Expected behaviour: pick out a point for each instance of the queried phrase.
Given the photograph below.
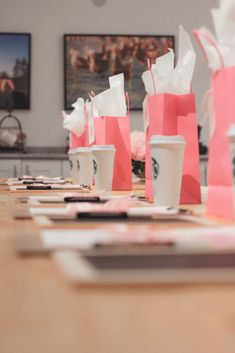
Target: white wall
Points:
(49, 20)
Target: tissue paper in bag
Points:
(173, 112)
(164, 78)
(110, 102)
(116, 81)
(223, 46)
(77, 124)
(224, 21)
(75, 121)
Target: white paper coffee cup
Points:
(103, 161)
(73, 166)
(84, 166)
(167, 154)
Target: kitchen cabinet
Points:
(15, 167)
(10, 168)
(66, 173)
(51, 168)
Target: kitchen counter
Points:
(46, 153)
(36, 153)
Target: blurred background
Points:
(48, 21)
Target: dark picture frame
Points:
(15, 70)
(90, 59)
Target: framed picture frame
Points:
(90, 59)
(15, 69)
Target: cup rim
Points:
(83, 149)
(103, 147)
(165, 140)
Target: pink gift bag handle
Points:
(151, 73)
(200, 34)
(208, 111)
(148, 64)
(91, 94)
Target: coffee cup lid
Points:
(103, 147)
(160, 139)
(71, 151)
(83, 149)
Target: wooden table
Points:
(40, 312)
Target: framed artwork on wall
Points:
(90, 59)
(15, 52)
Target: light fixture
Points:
(99, 2)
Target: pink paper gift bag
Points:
(170, 114)
(220, 173)
(111, 130)
(220, 177)
(81, 141)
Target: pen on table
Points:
(95, 199)
(29, 178)
(44, 182)
(54, 187)
(122, 244)
(49, 187)
(131, 214)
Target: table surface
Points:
(40, 312)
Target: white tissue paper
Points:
(215, 13)
(111, 102)
(156, 80)
(210, 48)
(224, 22)
(183, 73)
(165, 63)
(116, 81)
(75, 122)
(164, 78)
(223, 53)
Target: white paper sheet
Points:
(75, 239)
(46, 198)
(48, 211)
(216, 238)
(204, 237)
